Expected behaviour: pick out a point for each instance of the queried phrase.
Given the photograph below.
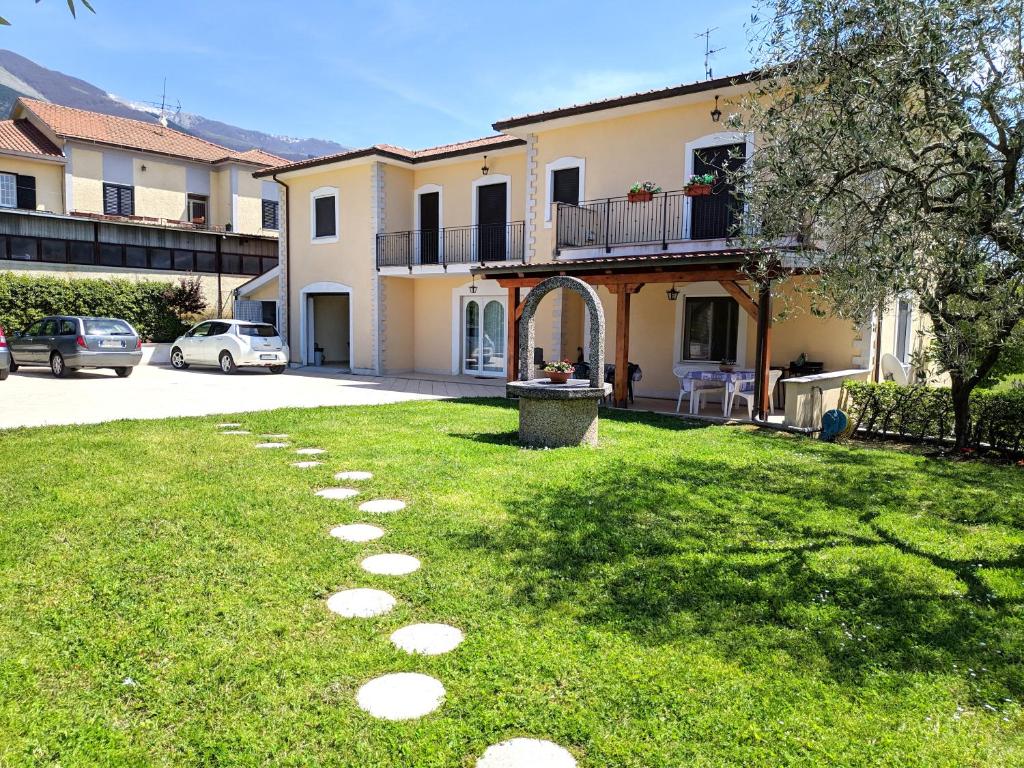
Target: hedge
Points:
(159, 311)
(926, 413)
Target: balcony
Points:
(449, 246)
(669, 217)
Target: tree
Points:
(71, 7)
(889, 139)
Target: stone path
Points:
(382, 506)
(526, 753)
(401, 696)
(360, 603)
(357, 533)
(390, 565)
(306, 464)
(310, 451)
(338, 494)
(427, 639)
(271, 445)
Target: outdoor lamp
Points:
(472, 287)
(485, 170)
(716, 113)
(672, 293)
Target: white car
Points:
(230, 345)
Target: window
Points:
(218, 329)
(50, 327)
(270, 214)
(268, 311)
(197, 205)
(8, 190)
(35, 328)
(111, 255)
(54, 250)
(68, 327)
(566, 180)
(107, 326)
(903, 328)
(200, 331)
(135, 256)
(23, 248)
(118, 200)
(324, 213)
(262, 331)
(81, 253)
(710, 329)
(565, 184)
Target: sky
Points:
(415, 74)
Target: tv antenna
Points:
(708, 50)
(165, 113)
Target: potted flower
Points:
(198, 220)
(643, 191)
(560, 371)
(699, 185)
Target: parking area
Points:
(33, 397)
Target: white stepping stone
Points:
(236, 432)
(390, 564)
(357, 532)
(360, 603)
(337, 494)
(310, 451)
(354, 476)
(228, 425)
(382, 506)
(271, 445)
(306, 464)
(526, 753)
(427, 639)
(401, 696)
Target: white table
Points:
(731, 379)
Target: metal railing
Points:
(668, 217)
(451, 245)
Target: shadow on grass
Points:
(785, 550)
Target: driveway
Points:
(32, 397)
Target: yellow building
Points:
(396, 260)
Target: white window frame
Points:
(485, 290)
(13, 203)
(315, 195)
(908, 334)
(561, 164)
(193, 197)
(722, 138)
(706, 291)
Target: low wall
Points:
(156, 354)
(808, 397)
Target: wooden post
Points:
(512, 355)
(764, 349)
(620, 394)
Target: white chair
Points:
(746, 391)
(894, 370)
(694, 389)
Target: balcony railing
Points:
(669, 217)
(451, 245)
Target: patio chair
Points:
(694, 388)
(894, 370)
(746, 391)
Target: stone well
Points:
(559, 415)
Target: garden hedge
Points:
(926, 413)
(159, 311)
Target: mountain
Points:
(23, 77)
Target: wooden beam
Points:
(742, 297)
(515, 311)
(764, 350)
(620, 394)
(632, 278)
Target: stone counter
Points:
(808, 397)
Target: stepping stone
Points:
(360, 603)
(354, 476)
(271, 445)
(427, 639)
(357, 532)
(228, 425)
(526, 753)
(337, 494)
(401, 696)
(390, 564)
(236, 432)
(306, 464)
(382, 506)
(310, 451)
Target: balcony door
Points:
(430, 227)
(484, 336)
(492, 217)
(716, 215)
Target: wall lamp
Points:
(473, 285)
(672, 293)
(716, 113)
(485, 170)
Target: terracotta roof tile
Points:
(257, 156)
(23, 137)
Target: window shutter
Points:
(324, 212)
(26, 192)
(566, 186)
(126, 203)
(110, 198)
(270, 214)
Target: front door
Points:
(430, 227)
(716, 215)
(484, 336)
(491, 208)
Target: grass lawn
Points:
(681, 596)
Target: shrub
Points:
(926, 413)
(158, 311)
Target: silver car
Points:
(5, 356)
(66, 344)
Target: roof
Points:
(127, 133)
(24, 138)
(607, 264)
(412, 156)
(625, 101)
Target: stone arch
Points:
(527, 335)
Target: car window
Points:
(68, 327)
(203, 329)
(50, 327)
(106, 326)
(219, 329)
(260, 329)
(35, 329)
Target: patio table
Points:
(729, 378)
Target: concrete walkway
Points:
(33, 397)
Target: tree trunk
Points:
(961, 392)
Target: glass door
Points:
(484, 337)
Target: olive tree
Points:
(889, 153)
(71, 7)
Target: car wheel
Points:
(178, 359)
(277, 368)
(57, 366)
(124, 372)
(227, 362)
(3, 373)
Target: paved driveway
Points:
(33, 397)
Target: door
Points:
(484, 337)
(23, 347)
(491, 208)
(216, 340)
(716, 215)
(193, 344)
(430, 227)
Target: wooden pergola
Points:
(624, 276)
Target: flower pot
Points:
(558, 377)
(697, 190)
(199, 220)
(640, 197)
